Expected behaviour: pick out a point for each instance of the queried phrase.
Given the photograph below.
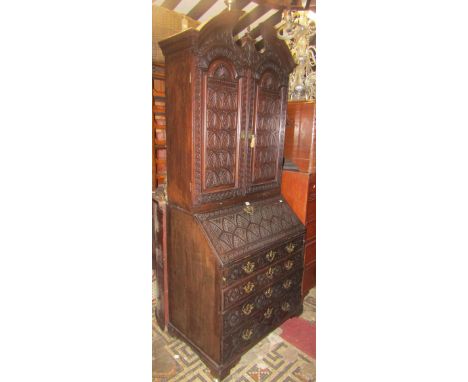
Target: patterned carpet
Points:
(272, 359)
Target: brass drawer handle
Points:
(270, 256)
(288, 264)
(247, 309)
(270, 273)
(287, 284)
(249, 267)
(290, 247)
(268, 292)
(246, 334)
(285, 306)
(249, 287)
(268, 313)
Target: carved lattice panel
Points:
(221, 135)
(265, 154)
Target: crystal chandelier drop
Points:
(298, 30)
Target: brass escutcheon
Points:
(249, 267)
(249, 210)
(270, 256)
(287, 284)
(246, 334)
(285, 306)
(290, 247)
(270, 273)
(269, 292)
(247, 309)
(288, 264)
(249, 287)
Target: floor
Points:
(273, 359)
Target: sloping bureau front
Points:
(236, 275)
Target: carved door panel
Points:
(221, 151)
(267, 134)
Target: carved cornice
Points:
(215, 40)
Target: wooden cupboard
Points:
(235, 247)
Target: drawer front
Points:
(247, 311)
(260, 260)
(252, 285)
(266, 320)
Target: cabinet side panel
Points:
(193, 295)
(179, 130)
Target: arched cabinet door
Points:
(266, 135)
(221, 124)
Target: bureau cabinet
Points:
(235, 248)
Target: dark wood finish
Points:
(171, 4)
(250, 18)
(199, 10)
(235, 247)
(274, 19)
(239, 4)
(230, 85)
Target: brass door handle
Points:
(290, 247)
(270, 256)
(247, 309)
(288, 264)
(252, 141)
(249, 287)
(249, 267)
(268, 313)
(246, 334)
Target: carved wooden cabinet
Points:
(235, 247)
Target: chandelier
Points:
(298, 30)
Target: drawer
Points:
(266, 320)
(251, 285)
(238, 315)
(260, 260)
(309, 253)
